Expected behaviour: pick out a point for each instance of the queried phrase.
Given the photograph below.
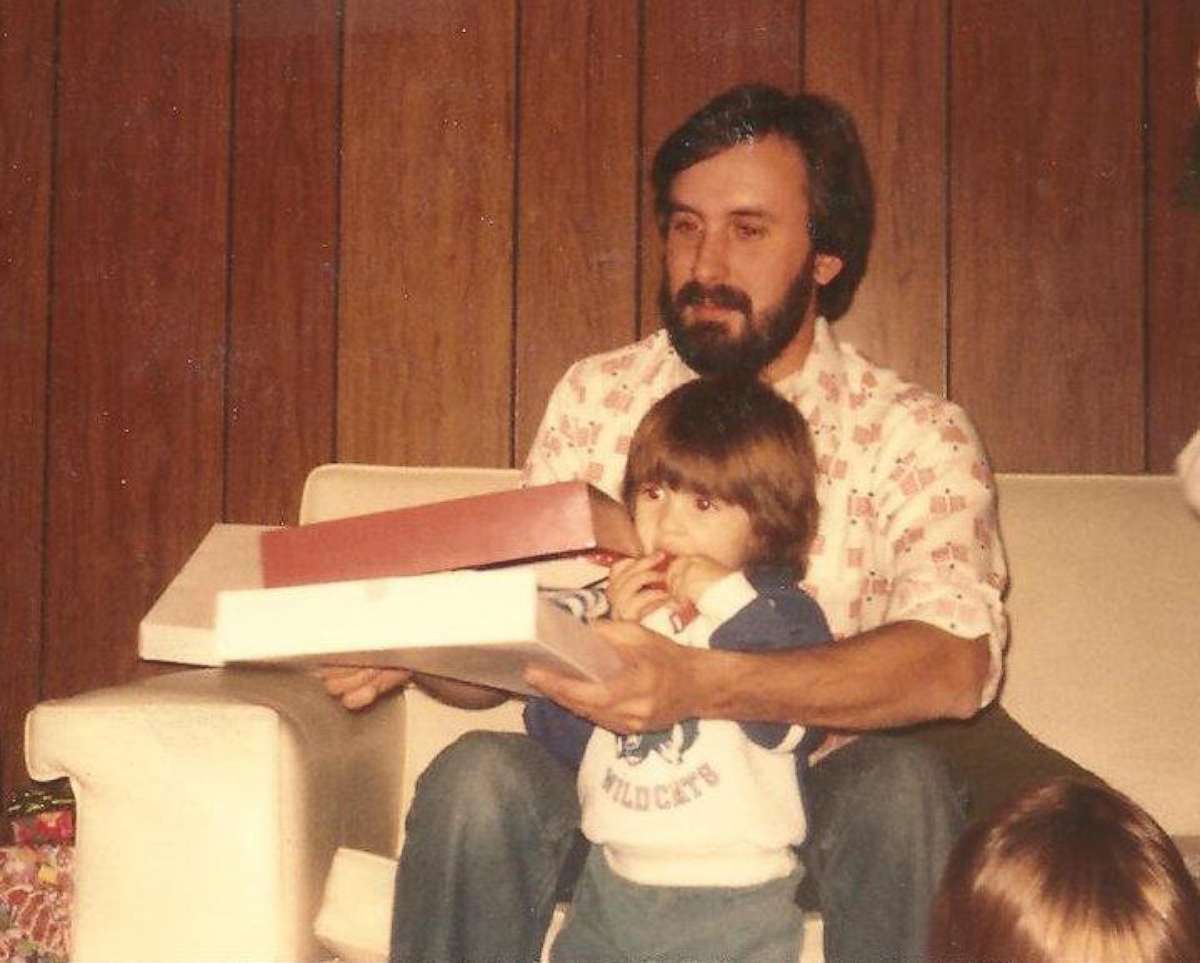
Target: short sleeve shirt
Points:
(907, 527)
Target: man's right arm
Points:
(850, 685)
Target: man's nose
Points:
(711, 265)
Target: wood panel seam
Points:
(51, 296)
(230, 230)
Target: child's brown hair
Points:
(1068, 870)
(734, 439)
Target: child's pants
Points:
(612, 919)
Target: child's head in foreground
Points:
(736, 461)
(1069, 870)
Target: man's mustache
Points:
(716, 295)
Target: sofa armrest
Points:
(355, 917)
(209, 806)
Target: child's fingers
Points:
(689, 576)
(633, 606)
(635, 572)
(634, 587)
(619, 569)
(629, 598)
(646, 603)
(640, 563)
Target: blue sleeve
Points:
(565, 734)
(782, 616)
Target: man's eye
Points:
(685, 226)
(750, 232)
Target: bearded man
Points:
(765, 205)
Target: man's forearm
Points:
(891, 676)
(895, 675)
(463, 695)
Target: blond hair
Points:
(1068, 870)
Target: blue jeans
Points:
(494, 820)
(883, 814)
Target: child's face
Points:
(681, 522)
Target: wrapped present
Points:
(55, 826)
(36, 885)
(42, 814)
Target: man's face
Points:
(739, 268)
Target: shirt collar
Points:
(803, 387)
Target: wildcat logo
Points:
(671, 744)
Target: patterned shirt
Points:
(907, 528)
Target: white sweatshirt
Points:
(701, 805)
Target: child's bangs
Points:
(678, 468)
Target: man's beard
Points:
(709, 349)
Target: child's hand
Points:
(636, 587)
(690, 576)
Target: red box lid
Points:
(509, 526)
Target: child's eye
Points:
(652, 492)
(704, 504)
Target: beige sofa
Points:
(212, 803)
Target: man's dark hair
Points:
(841, 199)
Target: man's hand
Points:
(357, 688)
(651, 692)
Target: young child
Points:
(1068, 870)
(693, 829)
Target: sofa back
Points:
(1104, 604)
(1103, 661)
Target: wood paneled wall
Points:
(242, 238)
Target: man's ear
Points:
(826, 267)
